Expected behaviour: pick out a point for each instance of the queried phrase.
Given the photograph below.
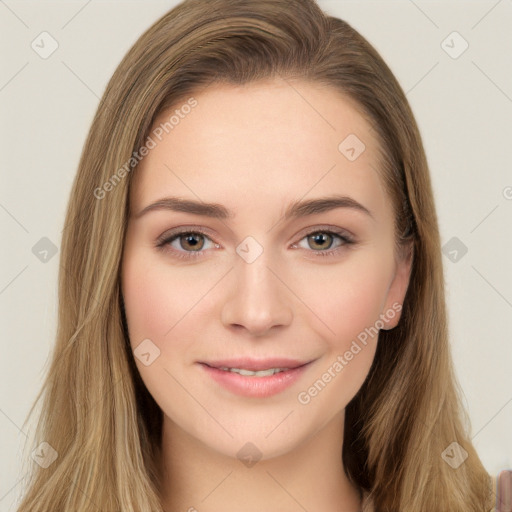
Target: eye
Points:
(185, 243)
(322, 241)
(189, 243)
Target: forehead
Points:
(273, 140)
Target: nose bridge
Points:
(257, 299)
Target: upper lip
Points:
(247, 363)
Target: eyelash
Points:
(163, 242)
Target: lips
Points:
(254, 365)
(245, 382)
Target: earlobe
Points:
(398, 289)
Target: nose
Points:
(257, 299)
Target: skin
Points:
(255, 149)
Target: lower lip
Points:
(258, 387)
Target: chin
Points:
(261, 440)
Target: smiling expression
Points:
(267, 240)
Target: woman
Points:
(251, 309)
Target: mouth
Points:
(255, 378)
(255, 365)
(250, 373)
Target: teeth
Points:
(249, 373)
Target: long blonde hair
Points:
(97, 414)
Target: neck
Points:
(195, 477)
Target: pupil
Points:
(319, 238)
(192, 240)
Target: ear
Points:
(396, 294)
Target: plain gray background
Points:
(462, 101)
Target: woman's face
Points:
(259, 281)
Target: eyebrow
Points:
(217, 211)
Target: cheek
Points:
(156, 303)
(348, 299)
(156, 298)
(349, 302)
(147, 301)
